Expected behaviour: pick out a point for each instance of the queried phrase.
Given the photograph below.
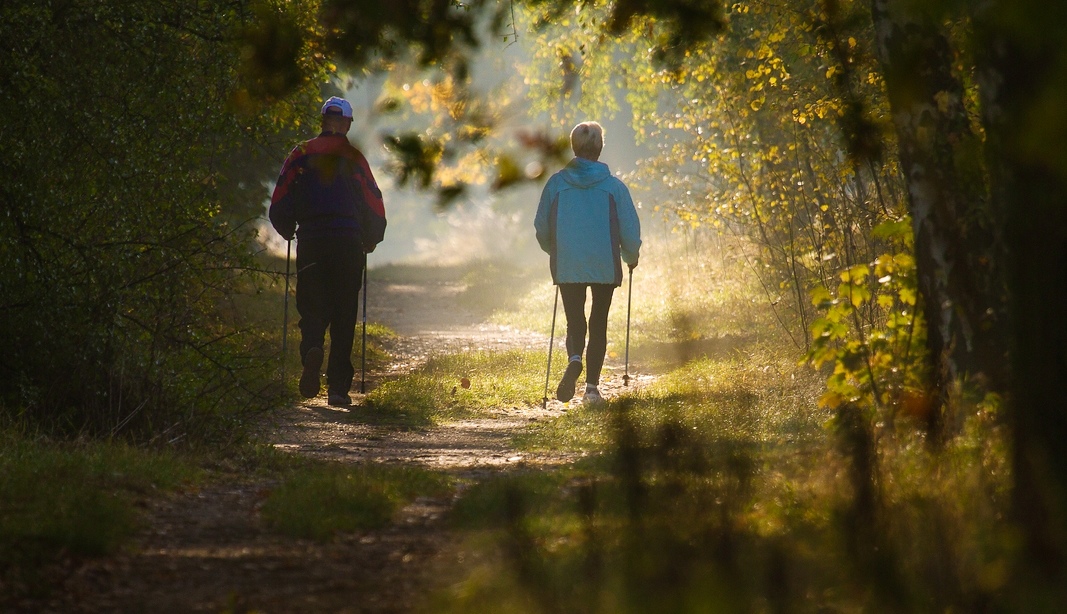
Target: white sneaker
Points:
(592, 395)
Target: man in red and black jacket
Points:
(326, 196)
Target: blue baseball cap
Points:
(337, 106)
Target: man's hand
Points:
(632, 265)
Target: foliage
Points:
(129, 179)
(871, 333)
(459, 136)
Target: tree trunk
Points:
(954, 234)
(1023, 77)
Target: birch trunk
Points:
(940, 158)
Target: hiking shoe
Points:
(565, 390)
(336, 399)
(592, 395)
(309, 379)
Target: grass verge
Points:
(464, 385)
(320, 499)
(73, 499)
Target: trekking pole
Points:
(285, 318)
(551, 342)
(629, 294)
(363, 351)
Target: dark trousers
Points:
(574, 308)
(329, 276)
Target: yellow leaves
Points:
(830, 72)
(884, 266)
(893, 229)
(759, 71)
(757, 104)
(904, 261)
(820, 296)
(856, 273)
(820, 109)
(831, 400)
(907, 296)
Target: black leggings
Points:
(574, 308)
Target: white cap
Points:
(337, 105)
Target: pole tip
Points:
(544, 402)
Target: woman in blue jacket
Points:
(587, 223)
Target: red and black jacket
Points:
(326, 189)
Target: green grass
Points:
(320, 500)
(435, 393)
(77, 499)
(761, 394)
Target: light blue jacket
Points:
(586, 222)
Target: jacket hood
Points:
(584, 173)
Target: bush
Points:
(122, 231)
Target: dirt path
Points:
(208, 551)
(429, 320)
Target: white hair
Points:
(587, 140)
